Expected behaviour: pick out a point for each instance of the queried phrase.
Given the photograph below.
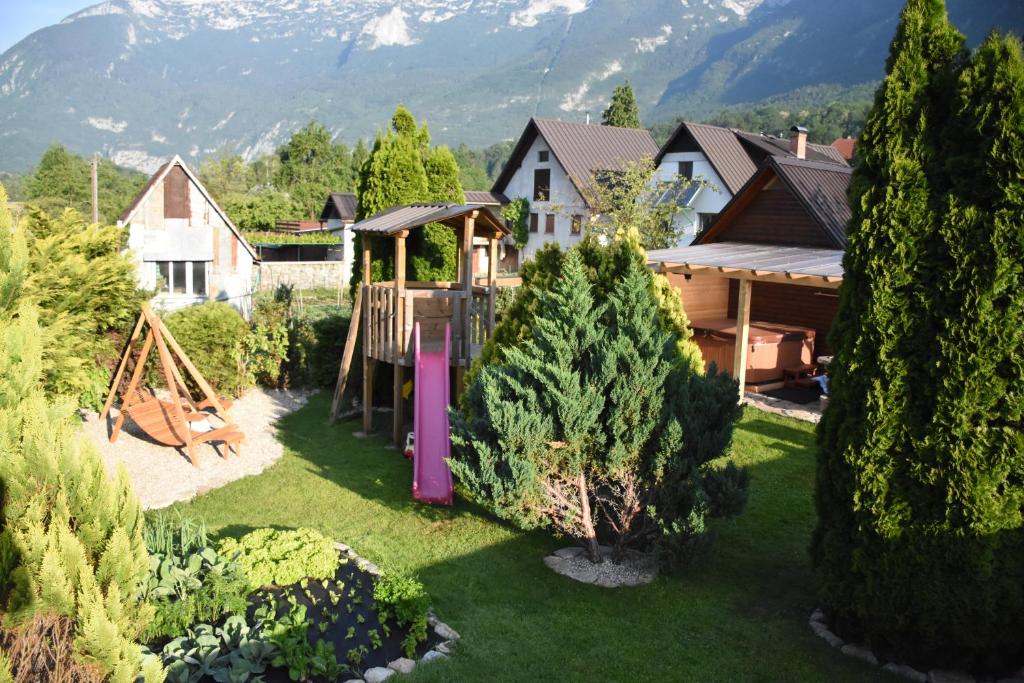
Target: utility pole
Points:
(95, 191)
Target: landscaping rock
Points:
(565, 553)
(377, 674)
(821, 630)
(445, 648)
(402, 665)
(908, 672)
(944, 676)
(555, 563)
(445, 631)
(355, 680)
(818, 615)
(584, 572)
(859, 652)
(433, 655)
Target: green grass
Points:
(739, 614)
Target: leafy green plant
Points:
(517, 213)
(403, 599)
(233, 653)
(279, 558)
(265, 347)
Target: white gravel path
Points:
(162, 475)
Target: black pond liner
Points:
(349, 576)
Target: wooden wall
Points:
(705, 297)
(812, 307)
(775, 216)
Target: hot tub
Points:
(773, 347)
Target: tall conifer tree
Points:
(622, 111)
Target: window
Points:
(706, 219)
(182, 277)
(541, 184)
(549, 224)
(577, 224)
(686, 169)
(533, 222)
(542, 156)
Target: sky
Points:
(18, 18)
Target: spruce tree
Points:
(918, 543)
(622, 110)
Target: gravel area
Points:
(807, 412)
(634, 570)
(162, 475)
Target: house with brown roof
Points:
(760, 284)
(552, 166)
(184, 244)
(726, 158)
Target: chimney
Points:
(798, 142)
(588, 118)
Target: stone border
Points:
(637, 570)
(402, 665)
(805, 412)
(820, 627)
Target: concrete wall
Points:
(303, 274)
(710, 200)
(564, 202)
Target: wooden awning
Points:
(400, 218)
(757, 262)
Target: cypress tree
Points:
(919, 492)
(434, 248)
(622, 110)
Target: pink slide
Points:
(432, 480)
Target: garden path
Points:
(161, 475)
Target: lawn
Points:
(740, 613)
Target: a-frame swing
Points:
(168, 422)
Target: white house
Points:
(552, 166)
(185, 245)
(725, 158)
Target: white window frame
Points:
(189, 290)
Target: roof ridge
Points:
(808, 163)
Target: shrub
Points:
(586, 427)
(212, 335)
(265, 347)
(269, 557)
(403, 599)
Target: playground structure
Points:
(169, 422)
(459, 315)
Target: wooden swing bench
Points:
(169, 422)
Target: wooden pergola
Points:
(388, 310)
(749, 263)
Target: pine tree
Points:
(622, 110)
(918, 543)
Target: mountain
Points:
(140, 80)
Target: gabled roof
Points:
(580, 149)
(734, 163)
(398, 218)
(846, 146)
(485, 198)
(341, 203)
(158, 177)
(821, 188)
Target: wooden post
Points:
(95, 190)
(739, 360)
(492, 279)
(466, 249)
(129, 394)
(346, 358)
(167, 362)
(122, 365)
(398, 325)
(368, 363)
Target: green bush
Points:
(593, 427)
(265, 347)
(404, 599)
(269, 557)
(212, 335)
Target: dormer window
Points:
(542, 156)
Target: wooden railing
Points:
(389, 317)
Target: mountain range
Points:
(140, 80)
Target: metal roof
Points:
(485, 198)
(779, 147)
(581, 149)
(822, 188)
(400, 218)
(755, 259)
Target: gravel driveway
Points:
(162, 475)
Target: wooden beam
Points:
(398, 339)
(122, 365)
(346, 358)
(368, 363)
(168, 362)
(492, 283)
(739, 363)
(466, 280)
(399, 405)
(129, 393)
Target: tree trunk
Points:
(589, 534)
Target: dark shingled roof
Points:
(822, 188)
(485, 198)
(581, 149)
(341, 204)
(399, 218)
(735, 154)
